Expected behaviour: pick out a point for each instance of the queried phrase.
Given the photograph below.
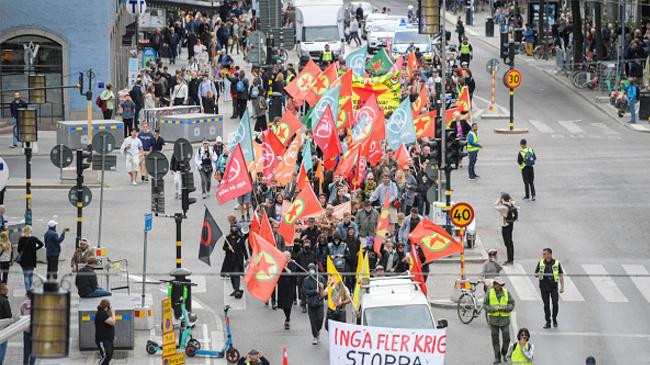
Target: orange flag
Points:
(286, 167)
(348, 160)
(425, 125)
(306, 203)
(302, 83)
(320, 176)
(303, 181)
(411, 64)
(421, 101)
(402, 157)
(265, 230)
(382, 225)
(435, 242)
(463, 103)
(321, 84)
(344, 119)
(264, 267)
(286, 127)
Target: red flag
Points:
(421, 101)
(347, 161)
(360, 173)
(425, 125)
(265, 230)
(382, 225)
(369, 110)
(302, 83)
(344, 119)
(412, 64)
(417, 269)
(236, 180)
(303, 181)
(402, 157)
(434, 241)
(265, 266)
(325, 129)
(285, 357)
(271, 148)
(255, 224)
(397, 66)
(379, 127)
(306, 203)
(463, 103)
(287, 127)
(372, 149)
(321, 84)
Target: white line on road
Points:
(200, 287)
(605, 285)
(571, 126)
(571, 293)
(604, 128)
(205, 345)
(542, 126)
(642, 283)
(525, 289)
(513, 322)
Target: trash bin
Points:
(124, 328)
(468, 16)
(489, 27)
(644, 105)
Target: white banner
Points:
(361, 345)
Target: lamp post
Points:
(27, 133)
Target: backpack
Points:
(240, 86)
(513, 214)
(98, 101)
(529, 158)
(255, 92)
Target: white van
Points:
(319, 23)
(397, 302)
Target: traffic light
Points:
(450, 148)
(80, 84)
(187, 181)
(84, 159)
(460, 150)
(435, 152)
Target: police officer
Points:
(466, 54)
(327, 56)
(549, 272)
(526, 160)
(472, 150)
(498, 304)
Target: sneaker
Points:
(472, 179)
(546, 325)
(142, 178)
(134, 183)
(13, 146)
(620, 114)
(497, 360)
(286, 325)
(555, 323)
(233, 293)
(525, 198)
(314, 341)
(533, 198)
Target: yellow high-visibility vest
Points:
(494, 301)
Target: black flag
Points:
(210, 234)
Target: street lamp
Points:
(28, 133)
(36, 85)
(50, 318)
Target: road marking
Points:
(571, 293)
(542, 126)
(513, 322)
(561, 136)
(605, 284)
(571, 126)
(200, 287)
(525, 289)
(641, 283)
(234, 303)
(205, 343)
(589, 334)
(604, 128)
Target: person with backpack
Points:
(526, 160)
(241, 86)
(508, 214)
(258, 100)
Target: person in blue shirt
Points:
(146, 137)
(52, 241)
(631, 94)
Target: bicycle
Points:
(469, 307)
(544, 51)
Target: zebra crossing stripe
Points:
(641, 283)
(604, 284)
(522, 285)
(571, 126)
(604, 128)
(571, 293)
(542, 126)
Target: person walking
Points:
(128, 114)
(5, 256)
(52, 241)
(179, 93)
(132, 149)
(549, 272)
(205, 160)
(27, 247)
(466, 52)
(526, 160)
(508, 214)
(491, 269)
(242, 87)
(5, 313)
(233, 262)
(521, 352)
(472, 150)
(105, 331)
(17, 103)
(631, 94)
(498, 304)
(26, 310)
(108, 101)
(313, 288)
(287, 289)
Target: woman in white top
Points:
(5, 256)
(179, 93)
(150, 100)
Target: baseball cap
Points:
(51, 223)
(499, 281)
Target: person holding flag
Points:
(338, 295)
(314, 289)
(233, 262)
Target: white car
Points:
(371, 18)
(379, 32)
(396, 302)
(405, 37)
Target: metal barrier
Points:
(119, 271)
(153, 115)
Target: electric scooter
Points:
(228, 351)
(185, 338)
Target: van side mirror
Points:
(442, 323)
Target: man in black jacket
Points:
(193, 89)
(305, 257)
(17, 103)
(138, 98)
(242, 94)
(86, 281)
(314, 289)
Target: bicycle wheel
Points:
(580, 79)
(538, 52)
(466, 306)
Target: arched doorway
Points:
(49, 61)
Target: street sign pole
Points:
(462, 257)
(101, 192)
(493, 92)
(461, 215)
(28, 183)
(148, 222)
(511, 124)
(80, 205)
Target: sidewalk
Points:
(477, 32)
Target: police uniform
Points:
(465, 53)
(549, 275)
(527, 172)
(498, 307)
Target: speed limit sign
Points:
(512, 78)
(461, 214)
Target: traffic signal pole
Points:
(178, 218)
(28, 183)
(80, 205)
(443, 105)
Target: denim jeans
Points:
(28, 277)
(472, 162)
(3, 352)
(14, 122)
(99, 292)
(632, 105)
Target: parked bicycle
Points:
(469, 306)
(544, 51)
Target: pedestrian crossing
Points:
(574, 129)
(613, 283)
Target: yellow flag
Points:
(363, 273)
(333, 279)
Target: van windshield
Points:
(321, 34)
(408, 37)
(416, 316)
